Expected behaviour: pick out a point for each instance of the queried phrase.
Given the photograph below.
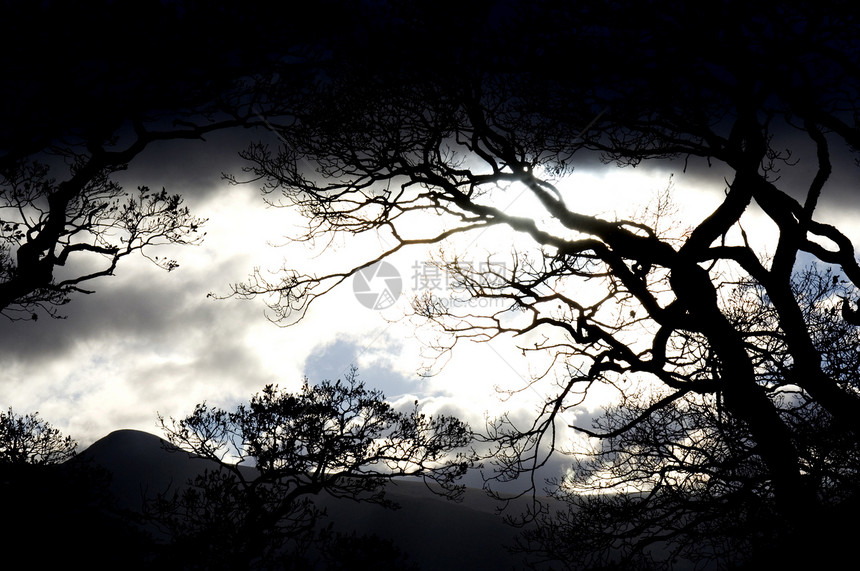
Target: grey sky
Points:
(149, 341)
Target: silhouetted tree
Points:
(627, 304)
(254, 507)
(27, 440)
(665, 480)
(47, 225)
(69, 123)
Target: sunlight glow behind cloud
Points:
(151, 341)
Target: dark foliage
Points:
(713, 343)
(71, 121)
(56, 507)
(254, 508)
(737, 416)
(27, 440)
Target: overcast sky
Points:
(152, 342)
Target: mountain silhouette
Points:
(433, 532)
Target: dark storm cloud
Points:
(793, 172)
(147, 312)
(218, 365)
(194, 168)
(143, 303)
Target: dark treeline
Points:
(736, 422)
